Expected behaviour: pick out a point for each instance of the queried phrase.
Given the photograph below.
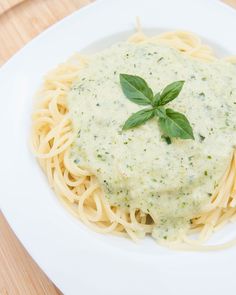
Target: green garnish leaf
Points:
(176, 125)
(136, 89)
(170, 92)
(156, 99)
(172, 123)
(160, 112)
(138, 118)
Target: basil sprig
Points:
(172, 123)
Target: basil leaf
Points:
(138, 118)
(156, 99)
(172, 123)
(136, 89)
(170, 92)
(176, 125)
(160, 112)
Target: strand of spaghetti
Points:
(231, 59)
(228, 188)
(60, 184)
(233, 193)
(213, 217)
(195, 230)
(206, 232)
(72, 183)
(219, 194)
(97, 215)
(80, 192)
(43, 121)
(74, 169)
(53, 108)
(82, 215)
(68, 139)
(224, 218)
(56, 150)
(116, 217)
(63, 189)
(41, 112)
(140, 226)
(233, 218)
(133, 233)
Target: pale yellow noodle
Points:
(78, 189)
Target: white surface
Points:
(77, 260)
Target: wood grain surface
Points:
(20, 21)
(6, 4)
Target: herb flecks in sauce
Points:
(172, 123)
(128, 172)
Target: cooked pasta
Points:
(54, 139)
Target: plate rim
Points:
(11, 62)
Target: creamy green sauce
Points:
(137, 168)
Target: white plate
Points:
(77, 260)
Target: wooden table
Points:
(20, 21)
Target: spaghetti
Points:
(79, 190)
